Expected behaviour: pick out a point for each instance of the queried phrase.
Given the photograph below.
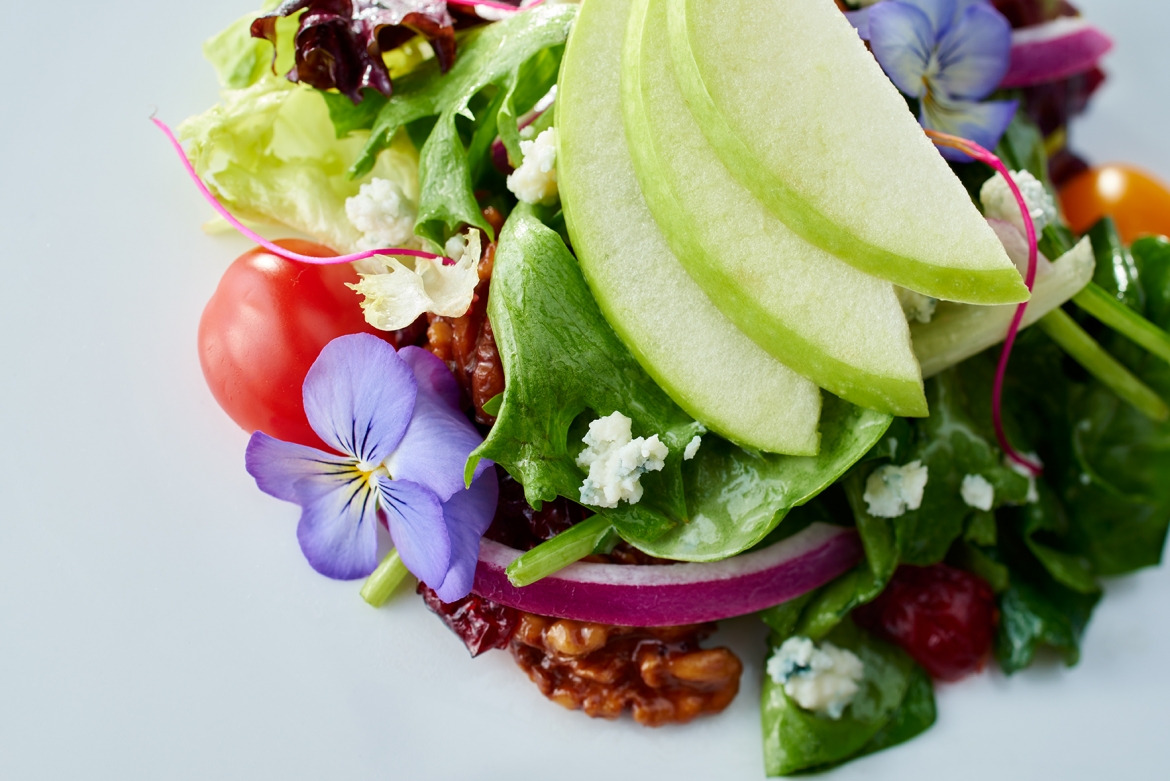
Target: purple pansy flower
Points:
(396, 419)
(950, 55)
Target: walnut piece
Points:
(660, 674)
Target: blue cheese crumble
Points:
(977, 492)
(383, 214)
(823, 680)
(892, 490)
(1000, 204)
(535, 181)
(916, 307)
(615, 461)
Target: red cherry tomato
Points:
(264, 327)
(943, 617)
(1137, 201)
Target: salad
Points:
(606, 321)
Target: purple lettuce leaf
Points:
(339, 43)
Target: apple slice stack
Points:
(744, 187)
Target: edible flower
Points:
(394, 418)
(949, 55)
(397, 295)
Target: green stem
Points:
(1095, 300)
(559, 552)
(382, 581)
(1084, 350)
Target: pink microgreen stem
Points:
(982, 155)
(489, 4)
(276, 249)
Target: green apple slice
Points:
(805, 118)
(838, 326)
(709, 367)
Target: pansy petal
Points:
(338, 531)
(984, 123)
(468, 515)
(359, 396)
(278, 465)
(432, 374)
(417, 528)
(903, 42)
(974, 55)
(860, 21)
(940, 14)
(435, 448)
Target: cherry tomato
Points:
(1138, 202)
(943, 617)
(264, 327)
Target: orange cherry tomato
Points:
(1137, 201)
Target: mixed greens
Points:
(426, 96)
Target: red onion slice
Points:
(1053, 51)
(675, 594)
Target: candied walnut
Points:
(480, 623)
(495, 218)
(466, 344)
(660, 674)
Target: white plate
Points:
(156, 617)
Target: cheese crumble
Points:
(892, 490)
(1000, 204)
(977, 492)
(916, 306)
(615, 461)
(692, 448)
(383, 214)
(535, 181)
(824, 680)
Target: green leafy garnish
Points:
(895, 703)
(501, 72)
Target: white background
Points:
(157, 620)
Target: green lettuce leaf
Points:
(241, 60)
(269, 154)
(502, 70)
(894, 704)
(565, 366)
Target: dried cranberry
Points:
(518, 526)
(943, 617)
(480, 623)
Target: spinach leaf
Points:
(1117, 272)
(915, 715)
(951, 445)
(1030, 617)
(1044, 527)
(561, 361)
(895, 703)
(564, 365)
(734, 497)
(1152, 257)
(513, 61)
